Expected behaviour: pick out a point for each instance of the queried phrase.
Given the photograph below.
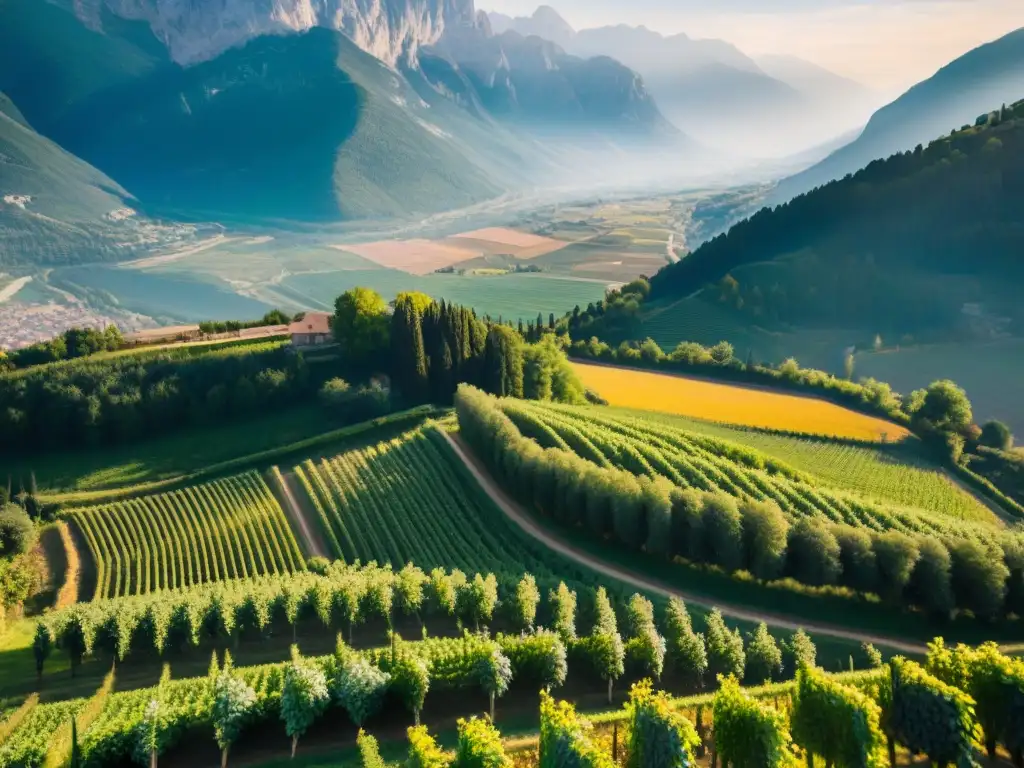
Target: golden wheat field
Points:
(746, 406)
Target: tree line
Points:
(429, 348)
(644, 514)
(866, 242)
(123, 399)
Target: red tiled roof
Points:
(312, 322)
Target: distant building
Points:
(314, 328)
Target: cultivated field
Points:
(733, 404)
(227, 529)
(895, 473)
(654, 447)
(409, 500)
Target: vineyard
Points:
(895, 473)
(733, 404)
(227, 529)
(954, 707)
(691, 460)
(409, 500)
(657, 489)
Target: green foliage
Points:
(685, 650)
(494, 672)
(659, 737)
(477, 599)
(945, 408)
(724, 647)
(369, 750)
(836, 722)
(410, 680)
(764, 658)
(764, 538)
(539, 659)
(872, 655)
(799, 652)
(928, 716)
(812, 553)
(480, 746)
(359, 687)
(423, 750)
(995, 434)
(994, 681)
(17, 531)
(547, 374)
(564, 738)
(304, 695)
(233, 702)
(503, 362)
(749, 734)
(360, 324)
(524, 607)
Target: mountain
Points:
(710, 89)
(200, 115)
(922, 246)
(987, 76)
(52, 203)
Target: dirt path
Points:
(289, 492)
(521, 518)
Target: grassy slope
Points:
(895, 473)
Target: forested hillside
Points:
(924, 243)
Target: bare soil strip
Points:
(289, 492)
(523, 519)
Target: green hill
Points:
(304, 127)
(981, 79)
(921, 246)
(52, 204)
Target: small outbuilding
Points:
(312, 329)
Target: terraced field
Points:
(227, 529)
(894, 473)
(689, 459)
(733, 404)
(409, 500)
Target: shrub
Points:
(813, 553)
(369, 751)
(748, 734)
(724, 647)
(685, 650)
(896, 554)
(423, 750)
(17, 531)
(995, 434)
(837, 723)
(479, 746)
(764, 538)
(764, 659)
(658, 735)
(564, 738)
(723, 532)
(928, 716)
(799, 651)
(304, 696)
(979, 578)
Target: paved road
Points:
(521, 518)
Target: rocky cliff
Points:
(199, 30)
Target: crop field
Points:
(227, 529)
(733, 404)
(645, 446)
(513, 296)
(409, 500)
(896, 473)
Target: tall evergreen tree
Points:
(503, 362)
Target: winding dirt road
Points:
(521, 518)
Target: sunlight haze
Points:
(887, 45)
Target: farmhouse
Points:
(311, 329)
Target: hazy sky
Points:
(886, 44)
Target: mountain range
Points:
(714, 92)
(349, 110)
(974, 84)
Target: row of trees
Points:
(652, 515)
(937, 709)
(72, 344)
(123, 399)
(430, 347)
